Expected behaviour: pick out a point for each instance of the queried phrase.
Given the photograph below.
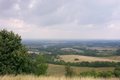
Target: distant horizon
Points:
(72, 39)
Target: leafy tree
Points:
(14, 58)
(13, 55)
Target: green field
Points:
(59, 70)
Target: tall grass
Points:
(31, 77)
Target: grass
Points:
(71, 58)
(59, 70)
(113, 58)
(56, 70)
(31, 77)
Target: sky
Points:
(61, 19)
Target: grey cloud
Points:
(6, 4)
(84, 11)
(7, 9)
(55, 12)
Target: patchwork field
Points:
(31, 77)
(59, 70)
(80, 58)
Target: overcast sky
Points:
(61, 19)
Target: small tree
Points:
(68, 71)
(40, 67)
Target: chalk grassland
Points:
(80, 58)
(31, 77)
(59, 70)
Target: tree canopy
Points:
(13, 56)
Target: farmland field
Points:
(80, 58)
(59, 70)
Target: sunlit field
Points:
(71, 58)
(31, 77)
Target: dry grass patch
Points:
(71, 58)
(31, 77)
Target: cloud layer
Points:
(62, 19)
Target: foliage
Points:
(97, 74)
(68, 71)
(14, 58)
(117, 71)
(13, 55)
(105, 74)
(89, 74)
(40, 67)
(87, 64)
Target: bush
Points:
(117, 71)
(97, 74)
(105, 74)
(68, 71)
(76, 59)
(40, 67)
(14, 58)
(13, 55)
(89, 74)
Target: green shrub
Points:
(40, 67)
(68, 71)
(105, 74)
(89, 74)
(13, 55)
(97, 74)
(117, 71)
(14, 58)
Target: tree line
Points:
(87, 64)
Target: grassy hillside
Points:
(31, 77)
(80, 58)
(59, 70)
